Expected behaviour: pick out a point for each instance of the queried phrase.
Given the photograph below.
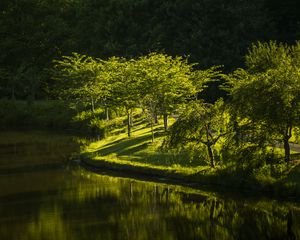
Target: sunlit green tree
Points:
(269, 93)
(78, 78)
(166, 83)
(200, 123)
(126, 86)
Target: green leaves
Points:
(166, 80)
(77, 76)
(156, 82)
(200, 123)
(269, 92)
(163, 78)
(264, 56)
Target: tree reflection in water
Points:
(71, 203)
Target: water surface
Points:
(44, 196)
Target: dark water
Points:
(43, 196)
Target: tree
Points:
(269, 93)
(213, 32)
(32, 34)
(79, 78)
(125, 86)
(265, 56)
(149, 109)
(200, 123)
(166, 83)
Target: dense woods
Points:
(215, 32)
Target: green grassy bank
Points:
(137, 155)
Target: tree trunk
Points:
(152, 131)
(129, 124)
(166, 121)
(106, 113)
(286, 144)
(131, 120)
(155, 118)
(93, 106)
(211, 156)
(287, 149)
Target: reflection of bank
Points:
(73, 203)
(290, 233)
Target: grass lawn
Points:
(139, 151)
(138, 154)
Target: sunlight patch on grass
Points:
(112, 158)
(139, 151)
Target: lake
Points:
(44, 195)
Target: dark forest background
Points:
(209, 32)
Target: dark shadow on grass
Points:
(147, 125)
(114, 142)
(158, 132)
(134, 149)
(129, 146)
(139, 129)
